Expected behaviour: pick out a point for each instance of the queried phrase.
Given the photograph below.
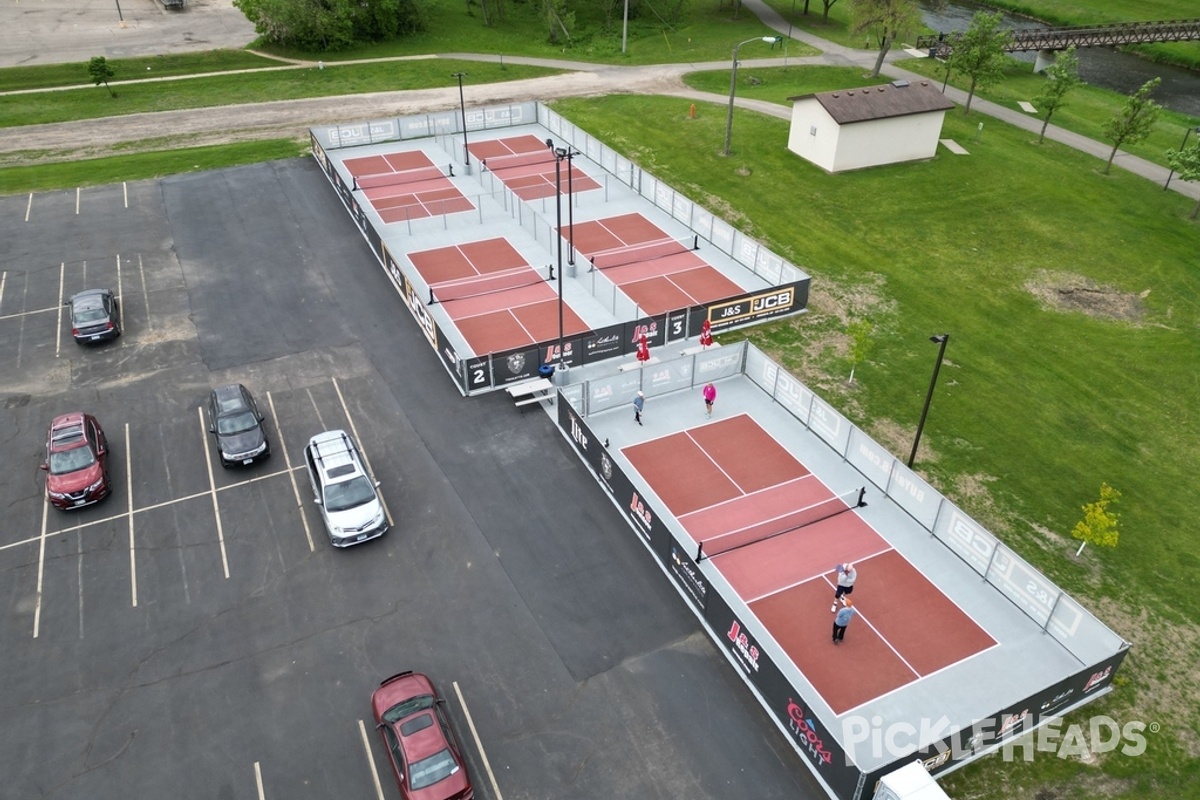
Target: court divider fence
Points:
(760, 660)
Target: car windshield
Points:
(429, 771)
(76, 458)
(354, 492)
(409, 706)
(90, 315)
(237, 423)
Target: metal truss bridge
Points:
(1052, 39)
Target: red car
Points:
(426, 759)
(76, 461)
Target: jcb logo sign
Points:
(779, 301)
(770, 302)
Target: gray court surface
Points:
(195, 635)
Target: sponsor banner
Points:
(421, 314)
(687, 574)
(570, 355)
(654, 329)
(363, 133)
(319, 152)
(964, 745)
(478, 374)
(677, 324)
(374, 239)
(809, 733)
(515, 365)
(774, 302)
(604, 343)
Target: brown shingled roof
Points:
(898, 99)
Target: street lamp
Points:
(1171, 174)
(733, 83)
(940, 339)
(463, 106)
(561, 154)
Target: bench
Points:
(692, 351)
(637, 364)
(530, 392)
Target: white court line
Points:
(362, 730)
(129, 511)
(882, 638)
(29, 207)
(287, 460)
(213, 491)
(62, 277)
(747, 494)
(37, 610)
(362, 450)
(478, 744)
(811, 578)
(258, 781)
(143, 509)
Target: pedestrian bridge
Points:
(1050, 40)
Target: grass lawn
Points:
(168, 160)
(45, 76)
(1073, 303)
(253, 87)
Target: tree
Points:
(320, 25)
(1061, 77)
(559, 20)
(828, 5)
(979, 53)
(1187, 163)
(101, 72)
(1133, 122)
(1099, 525)
(860, 343)
(887, 19)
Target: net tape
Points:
(650, 251)
(786, 523)
(403, 176)
(497, 163)
(463, 288)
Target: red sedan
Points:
(425, 756)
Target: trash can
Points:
(546, 370)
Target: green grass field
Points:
(1037, 403)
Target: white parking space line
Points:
(354, 430)
(258, 781)
(29, 207)
(362, 730)
(37, 609)
(478, 744)
(125, 192)
(287, 460)
(78, 192)
(145, 297)
(120, 298)
(213, 491)
(129, 507)
(62, 276)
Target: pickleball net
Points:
(785, 523)
(399, 178)
(638, 253)
(500, 163)
(476, 286)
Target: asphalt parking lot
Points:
(195, 635)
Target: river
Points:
(1104, 67)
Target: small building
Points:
(856, 128)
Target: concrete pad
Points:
(954, 147)
(1026, 107)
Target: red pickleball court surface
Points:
(730, 484)
(527, 167)
(405, 185)
(496, 300)
(656, 272)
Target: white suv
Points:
(350, 506)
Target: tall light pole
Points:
(1171, 174)
(560, 154)
(940, 339)
(733, 84)
(463, 106)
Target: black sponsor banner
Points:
(603, 343)
(687, 574)
(809, 733)
(319, 153)
(774, 302)
(515, 365)
(653, 328)
(478, 374)
(446, 351)
(570, 355)
(375, 240)
(1011, 722)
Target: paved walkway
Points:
(293, 117)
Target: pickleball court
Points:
(405, 185)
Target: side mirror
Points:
(45, 467)
(317, 500)
(377, 484)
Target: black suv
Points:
(234, 419)
(95, 316)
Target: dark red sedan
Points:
(76, 461)
(426, 758)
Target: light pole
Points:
(940, 339)
(560, 154)
(733, 84)
(1171, 174)
(463, 106)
